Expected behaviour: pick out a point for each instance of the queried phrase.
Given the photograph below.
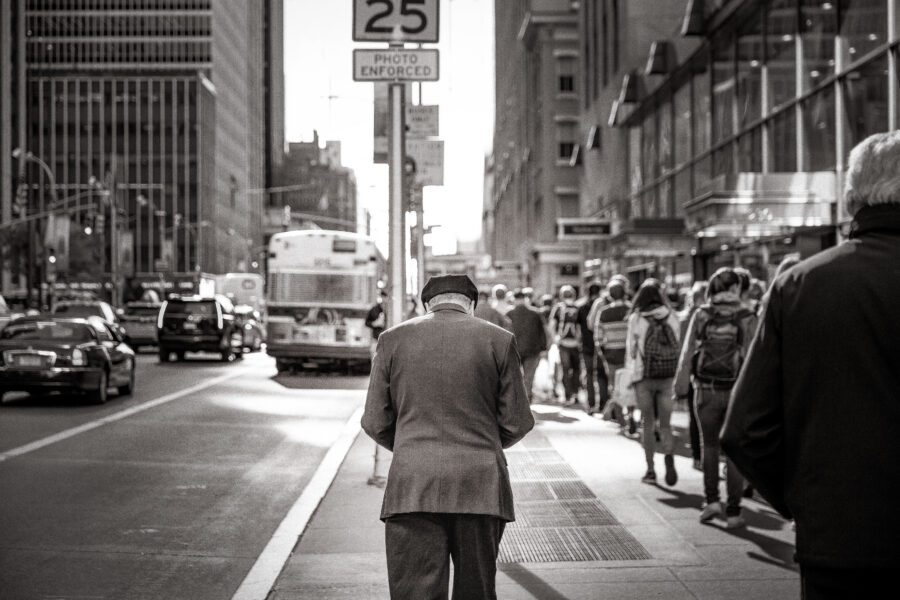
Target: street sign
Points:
(396, 21)
(422, 121)
(395, 64)
(582, 229)
(429, 160)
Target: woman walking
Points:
(652, 350)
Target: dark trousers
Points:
(823, 583)
(693, 427)
(570, 364)
(711, 405)
(419, 546)
(594, 372)
(529, 366)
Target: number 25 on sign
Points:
(396, 21)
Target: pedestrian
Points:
(695, 299)
(445, 395)
(746, 280)
(718, 337)
(546, 307)
(531, 337)
(593, 371)
(813, 421)
(376, 319)
(610, 328)
(567, 337)
(651, 353)
(499, 301)
(485, 311)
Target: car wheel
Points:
(163, 355)
(100, 395)
(179, 356)
(128, 388)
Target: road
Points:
(175, 501)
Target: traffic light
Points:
(99, 224)
(20, 204)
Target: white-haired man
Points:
(815, 414)
(446, 395)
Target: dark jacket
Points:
(814, 421)
(492, 315)
(587, 334)
(529, 329)
(446, 395)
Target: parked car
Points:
(45, 354)
(139, 321)
(199, 324)
(250, 322)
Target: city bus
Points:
(321, 284)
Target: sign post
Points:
(396, 214)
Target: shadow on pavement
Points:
(531, 583)
(322, 381)
(554, 416)
(54, 400)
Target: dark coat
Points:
(530, 331)
(814, 421)
(446, 395)
(492, 315)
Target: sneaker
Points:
(735, 522)
(710, 511)
(671, 473)
(649, 476)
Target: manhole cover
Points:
(529, 491)
(570, 490)
(567, 513)
(541, 472)
(569, 544)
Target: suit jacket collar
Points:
(449, 306)
(884, 218)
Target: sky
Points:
(321, 95)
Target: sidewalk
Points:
(586, 528)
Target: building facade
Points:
(535, 148)
(744, 138)
(153, 118)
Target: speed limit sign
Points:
(395, 21)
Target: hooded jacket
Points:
(638, 324)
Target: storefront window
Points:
(866, 100)
(634, 159)
(781, 52)
(750, 58)
(864, 26)
(702, 109)
(723, 160)
(723, 90)
(664, 201)
(682, 144)
(665, 137)
(750, 151)
(649, 150)
(783, 142)
(701, 175)
(818, 114)
(818, 26)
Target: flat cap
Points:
(449, 284)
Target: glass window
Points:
(702, 109)
(866, 100)
(723, 160)
(818, 26)
(750, 58)
(683, 188)
(818, 117)
(649, 155)
(864, 25)
(750, 151)
(634, 159)
(664, 202)
(783, 142)
(665, 137)
(567, 84)
(702, 175)
(682, 145)
(723, 90)
(781, 53)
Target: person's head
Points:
(594, 289)
(547, 300)
(567, 293)
(616, 290)
(649, 296)
(519, 296)
(450, 289)
(873, 178)
(499, 292)
(483, 297)
(698, 292)
(757, 290)
(456, 298)
(622, 279)
(724, 280)
(529, 292)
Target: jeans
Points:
(711, 405)
(570, 363)
(594, 371)
(694, 427)
(529, 366)
(654, 399)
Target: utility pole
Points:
(396, 212)
(420, 222)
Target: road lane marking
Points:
(268, 566)
(128, 412)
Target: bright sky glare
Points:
(321, 95)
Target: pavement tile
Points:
(332, 592)
(330, 569)
(531, 588)
(740, 589)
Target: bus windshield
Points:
(321, 288)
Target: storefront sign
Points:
(582, 229)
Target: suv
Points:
(198, 324)
(139, 319)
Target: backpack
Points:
(720, 354)
(661, 350)
(567, 325)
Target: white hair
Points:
(873, 174)
(451, 298)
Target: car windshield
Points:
(79, 310)
(48, 331)
(204, 309)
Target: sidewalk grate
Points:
(558, 518)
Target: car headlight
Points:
(78, 358)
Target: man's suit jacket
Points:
(529, 329)
(446, 395)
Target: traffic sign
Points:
(395, 64)
(429, 160)
(421, 121)
(396, 21)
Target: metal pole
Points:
(420, 244)
(397, 216)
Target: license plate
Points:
(29, 361)
(190, 326)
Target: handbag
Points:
(623, 391)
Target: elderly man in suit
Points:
(446, 395)
(814, 416)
